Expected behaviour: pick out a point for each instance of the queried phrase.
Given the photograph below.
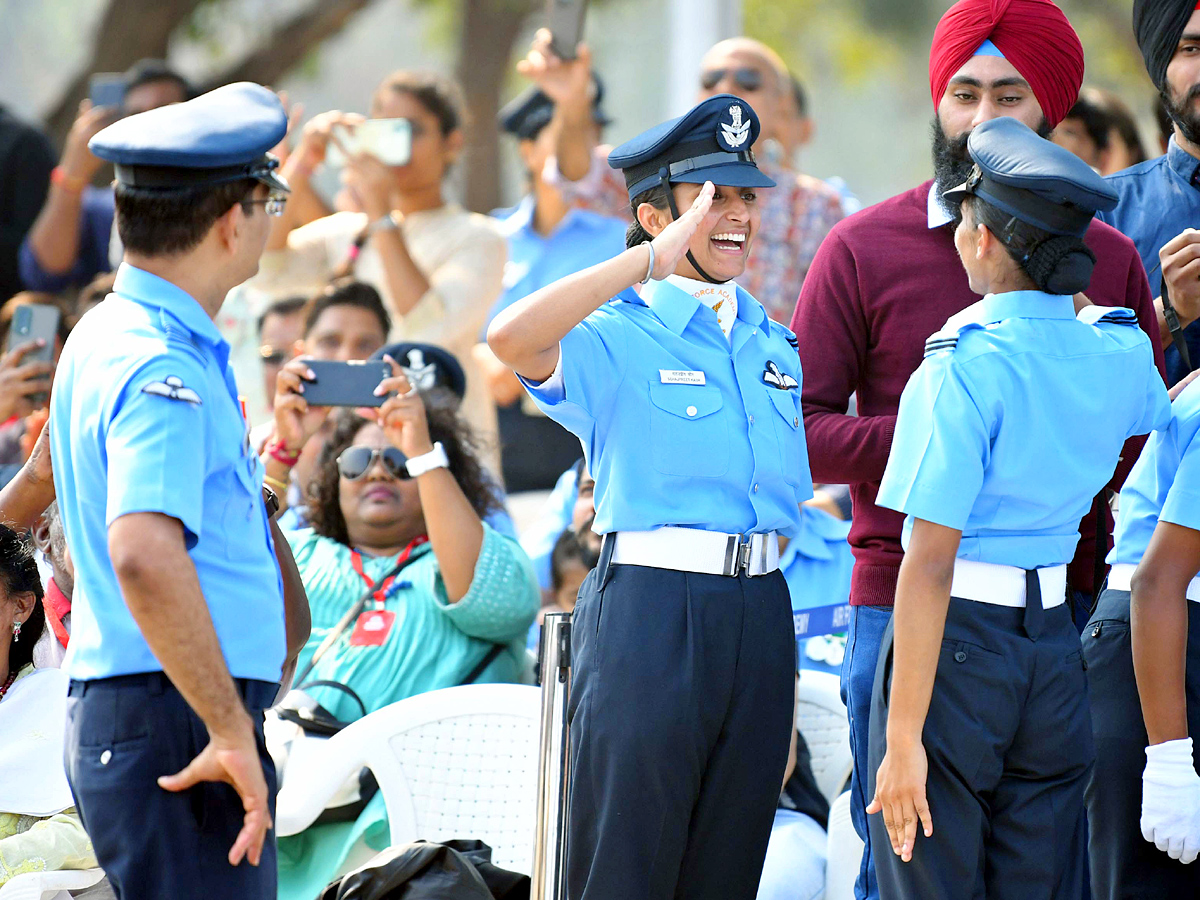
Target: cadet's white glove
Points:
(1171, 800)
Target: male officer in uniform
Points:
(179, 635)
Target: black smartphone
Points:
(107, 89)
(31, 321)
(346, 383)
(565, 19)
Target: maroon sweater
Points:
(881, 283)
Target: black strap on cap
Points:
(1171, 317)
(664, 180)
(176, 177)
(1033, 208)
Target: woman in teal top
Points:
(466, 587)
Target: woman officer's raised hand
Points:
(673, 241)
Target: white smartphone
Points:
(388, 140)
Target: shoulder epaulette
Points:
(1112, 315)
(947, 338)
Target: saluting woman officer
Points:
(686, 399)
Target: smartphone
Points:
(565, 18)
(346, 383)
(32, 321)
(388, 140)
(107, 89)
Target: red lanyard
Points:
(381, 592)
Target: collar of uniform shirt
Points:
(675, 307)
(149, 290)
(1027, 305)
(1183, 163)
(520, 218)
(936, 212)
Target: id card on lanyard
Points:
(374, 625)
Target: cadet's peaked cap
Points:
(1032, 179)
(710, 143)
(216, 138)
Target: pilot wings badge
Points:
(420, 374)
(734, 134)
(172, 388)
(774, 377)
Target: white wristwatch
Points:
(427, 462)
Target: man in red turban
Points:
(882, 282)
(1033, 35)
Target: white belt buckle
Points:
(739, 555)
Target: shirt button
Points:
(752, 420)
(691, 410)
(105, 757)
(756, 489)
(960, 656)
(796, 422)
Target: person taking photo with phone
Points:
(438, 267)
(685, 398)
(187, 606)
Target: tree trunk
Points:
(291, 42)
(489, 29)
(130, 30)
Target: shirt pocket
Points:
(688, 434)
(788, 433)
(243, 531)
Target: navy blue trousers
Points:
(1124, 864)
(680, 716)
(1008, 739)
(122, 734)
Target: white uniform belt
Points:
(1005, 585)
(696, 550)
(1120, 578)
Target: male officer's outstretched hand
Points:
(234, 760)
(1171, 800)
(900, 795)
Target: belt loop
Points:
(604, 563)
(1034, 614)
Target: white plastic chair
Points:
(821, 718)
(50, 885)
(455, 763)
(843, 851)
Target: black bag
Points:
(456, 870)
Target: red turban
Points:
(1033, 35)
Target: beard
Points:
(952, 163)
(1182, 114)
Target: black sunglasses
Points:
(745, 78)
(356, 461)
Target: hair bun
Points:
(1061, 265)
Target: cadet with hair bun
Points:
(1013, 422)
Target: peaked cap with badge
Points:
(218, 137)
(427, 366)
(1029, 177)
(711, 142)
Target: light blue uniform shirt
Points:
(816, 564)
(1014, 422)
(147, 419)
(581, 240)
(679, 427)
(1165, 482)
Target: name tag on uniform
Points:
(680, 376)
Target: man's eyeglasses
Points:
(273, 205)
(745, 78)
(273, 356)
(356, 461)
